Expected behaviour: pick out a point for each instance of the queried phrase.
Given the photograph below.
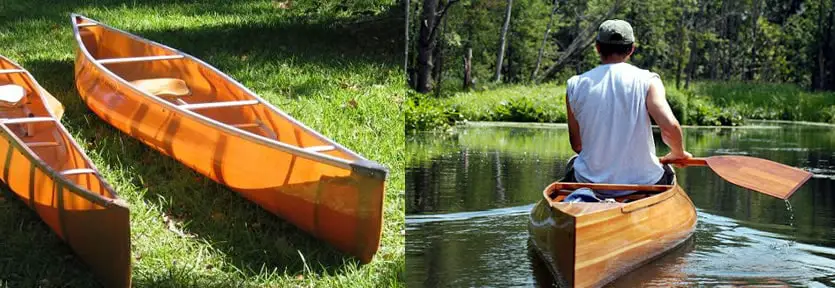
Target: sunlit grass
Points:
(323, 63)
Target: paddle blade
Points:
(760, 175)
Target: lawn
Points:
(333, 66)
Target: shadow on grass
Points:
(251, 239)
(39, 258)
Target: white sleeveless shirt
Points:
(609, 103)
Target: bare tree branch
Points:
(583, 40)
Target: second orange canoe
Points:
(47, 170)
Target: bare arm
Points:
(573, 129)
(660, 111)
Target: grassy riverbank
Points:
(333, 65)
(706, 103)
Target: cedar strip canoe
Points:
(591, 244)
(192, 112)
(44, 167)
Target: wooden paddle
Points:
(756, 174)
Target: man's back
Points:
(609, 103)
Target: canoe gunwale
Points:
(52, 173)
(664, 192)
(362, 165)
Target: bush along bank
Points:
(544, 104)
(769, 101)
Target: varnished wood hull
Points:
(591, 244)
(334, 194)
(81, 208)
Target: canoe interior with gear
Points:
(194, 113)
(48, 171)
(591, 244)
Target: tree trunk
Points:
(752, 63)
(727, 64)
(817, 73)
(829, 60)
(691, 64)
(468, 77)
(439, 60)
(430, 17)
(681, 40)
(406, 45)
(426, 46)
(544, 40)
(502, 41)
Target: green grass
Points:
(313, 60)
(515, 103)
(771, 101)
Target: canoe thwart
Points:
(78, 171)
(26, 120)
(88, 24)
(138, 59)
(42, 144)
(10, 71)
(320, 148)
(246, 125)
(198, 106)
(11, 95)
(163, 86)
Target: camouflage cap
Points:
(615, 32)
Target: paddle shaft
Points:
(688, 162)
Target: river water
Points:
(468, 195)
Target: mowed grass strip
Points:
(331, 65)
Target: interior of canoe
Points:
(25, 115)
(181, 81)
(557, 193)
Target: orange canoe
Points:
(190, 111)
(48, 171)
(591, 244)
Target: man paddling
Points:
(609, 110)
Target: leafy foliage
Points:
(683, 40)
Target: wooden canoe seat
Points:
(173, 87)
(11, 95)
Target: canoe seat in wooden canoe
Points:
(11, 95)
(173, 87)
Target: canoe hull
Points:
(341, 205)
(589, 247)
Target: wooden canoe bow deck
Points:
(192, 112)
(44, 167)
(591, 244)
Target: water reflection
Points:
(468, 194)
